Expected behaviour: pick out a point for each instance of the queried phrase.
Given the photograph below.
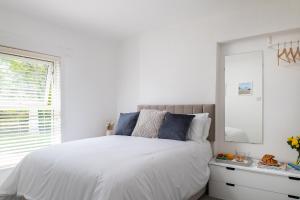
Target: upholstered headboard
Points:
(188, 109)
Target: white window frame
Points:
(38, 56)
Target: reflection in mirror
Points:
(244, 98)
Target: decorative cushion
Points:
(148, 123)
(197, 130)
(175, 126)
(126, 123)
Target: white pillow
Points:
(197, 131)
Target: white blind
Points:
(29, 106)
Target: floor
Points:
(207, 198)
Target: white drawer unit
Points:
(230, 182)
(230, 191)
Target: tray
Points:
(248, 162)
(281, 166)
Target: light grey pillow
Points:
(148, 123)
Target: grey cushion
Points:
(126, 123)
(175, 126)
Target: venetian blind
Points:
(29, 104)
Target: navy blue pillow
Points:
(175, 126)
(126, 123)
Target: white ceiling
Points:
(122, 18)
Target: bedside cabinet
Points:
(231, 182)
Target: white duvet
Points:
(112, 168)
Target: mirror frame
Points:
(261, 52)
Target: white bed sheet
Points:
(112, 168)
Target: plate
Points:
(281, 166)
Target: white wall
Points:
(177, 64)
(128, 76)
(87, 70)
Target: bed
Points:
(116, 167)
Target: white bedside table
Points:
(231, 182)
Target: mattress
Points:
(112, 168)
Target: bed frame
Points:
(189, 109)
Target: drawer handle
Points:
(293, 197)
(294, 178)
(230, 184)
(230, 168)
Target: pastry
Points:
(269, 160)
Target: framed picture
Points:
(245, 88)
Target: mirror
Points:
(244, 97)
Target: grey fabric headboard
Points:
(188, 109)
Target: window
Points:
(29, 103)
